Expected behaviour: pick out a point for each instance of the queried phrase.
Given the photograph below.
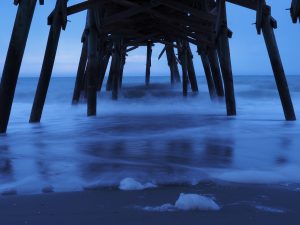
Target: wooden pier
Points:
(116, 27)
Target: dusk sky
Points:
(249, 54)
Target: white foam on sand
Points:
(187, 202)
(195, 202)
(130, 184)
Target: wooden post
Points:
(91, 70)
(148, 64)
(14, 59)
(191, 70)
(208, 75)
(100, 61)
(215, 70)
(116, 67)
(107, 48)
(123, 62)
(277, 66)
(80, 73)
(175, 69)
(225, 63)
(110, 78)
(183, 59)
(170, 63)
(58, 21)
(175, 77)
(104, 66)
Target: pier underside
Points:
(116, 27)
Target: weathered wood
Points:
(131, 23)
(116, 68)
(92, 65)
(80, 73)
(110, 77)
(103, 64)
(215, 70)
(277, 67)
(184, 61)
(295, 10)
(148, 63)
(225, 63)
(123, 62)
(172, 62)
(40, 96)
(208, 75)
(191, 70)
(14, 59)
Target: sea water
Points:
(152, 135)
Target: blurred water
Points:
(151, 134)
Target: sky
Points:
(248, 51)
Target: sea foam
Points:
(187, 202)
(130, 184)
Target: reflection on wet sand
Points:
(6, 165)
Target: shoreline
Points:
(240, 204)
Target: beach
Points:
(69, 169)
(240, 204)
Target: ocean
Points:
(152, 135)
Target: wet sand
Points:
(240, 204)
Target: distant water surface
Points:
(151, 134)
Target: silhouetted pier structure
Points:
(116, 27)
(295, 11)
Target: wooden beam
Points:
(184, 61)
(92, 65)
(103, 64)
(77, 8)
(148, 63)
(128, 13)
(191, 70)
(277, 67)
(225, 62)
(208, 74)
(295, 10)
(116, 67)
(189, 10)
(14, 59)
(250, 4)
(80, 73)
(48, 63)
(175, 77)
(215, 70)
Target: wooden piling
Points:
(207, 72)
(173, 65)
(170, 62)
(116, 68)
(215, 70)
(105, 62)
(57, 21)
(183, 59)
(14, 59)
(92, 65)
(80, 73)
(148, 63)
(123, 62)
(191, 70)
(277, 66)
(110, 78)
(225, 63)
